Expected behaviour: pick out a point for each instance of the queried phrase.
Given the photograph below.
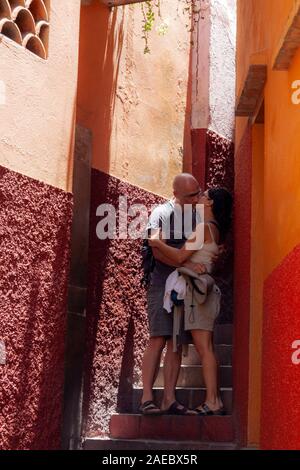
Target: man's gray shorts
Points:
(160, 321)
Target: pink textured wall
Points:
(242, 247)
(35, 224)
(117, 328)
(280, 418)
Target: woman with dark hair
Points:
(202, 247)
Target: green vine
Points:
(193, 8)
(148, 21)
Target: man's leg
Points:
(150, 365)
(172, 363)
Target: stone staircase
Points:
(132, 431)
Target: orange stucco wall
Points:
(256, 276)
(135, 104)
(260, 28)
(276, 166)
(282, 189)
(37, 105)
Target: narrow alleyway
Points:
(106, 100)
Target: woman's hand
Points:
(198, 268)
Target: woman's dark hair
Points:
(221, 209)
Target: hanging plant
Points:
(148, 21)
(195, 10)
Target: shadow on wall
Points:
(187, 138)
(101, 42)
(116, 314)
(33, 272)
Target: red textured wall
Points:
(220, 172)
(219, 161)
(199, 139)
(280, 418)
(242, 264)
(35, 222)
(117, 328)
(213, 165)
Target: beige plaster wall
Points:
(38, 99)
(139, 130)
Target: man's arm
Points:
(162, 258)
(197, 267)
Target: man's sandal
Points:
(204, 410)
(150, 408)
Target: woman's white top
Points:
(205, 251)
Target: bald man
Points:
(186, 190)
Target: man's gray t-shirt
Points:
(171, 220)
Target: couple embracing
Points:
(183, 300)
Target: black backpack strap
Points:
(195, 286)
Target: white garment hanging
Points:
(174, 282)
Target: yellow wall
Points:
(38, 115)
(135, 104)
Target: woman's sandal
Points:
(204, 410)
(150, 408)
(178, 409)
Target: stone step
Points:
(172, 428)
(190, 397)
(192, 376)
(98, 443)
(223, 334)
(223, 353)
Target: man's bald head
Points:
(183, 181)
(186, 188)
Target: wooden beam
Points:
(289, 42)
(252, 91)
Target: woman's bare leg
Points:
(203, 343)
